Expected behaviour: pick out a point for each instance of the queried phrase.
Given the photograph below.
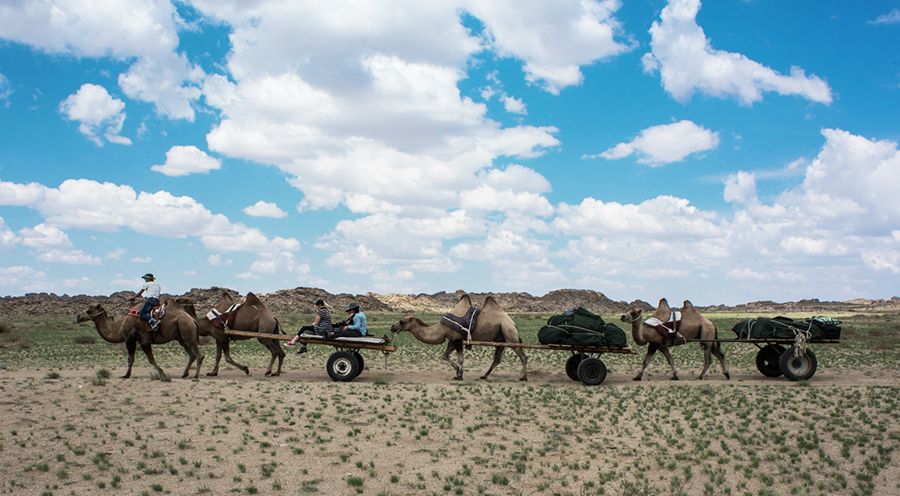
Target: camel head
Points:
(632, 314)
(92, 312)
(405, 324)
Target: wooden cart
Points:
(792, 358)
(584, 365)
(345, 364)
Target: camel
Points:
(223, 341)
(692, 326)
(493, 325)
(252, 316)
(177, 325)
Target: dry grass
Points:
(78, 429)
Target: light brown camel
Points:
(176, 325)
(252, 316)
(692, 326)
(493, 325)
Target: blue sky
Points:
(723, 152)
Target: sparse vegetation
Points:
(407, 429)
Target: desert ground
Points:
(71, 426)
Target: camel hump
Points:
(251, 299)
(490, 303)
(687, 304)
(664, 303)
(466, 298)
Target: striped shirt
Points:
(325, 324)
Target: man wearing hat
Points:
(150, 291)
(357, 326)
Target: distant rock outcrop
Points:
(302, 300)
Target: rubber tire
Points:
(572, 365)
(768, 360)
(591, 371)
(798, 368)
(362, 362)
(342, 366)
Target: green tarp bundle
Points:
(581, 327)
(787, 328)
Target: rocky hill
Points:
(302, 299)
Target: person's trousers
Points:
(149, 304)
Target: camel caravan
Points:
(577, 331)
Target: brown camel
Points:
(692, 326)
(493, 325)
(252, 316)
(177, 325)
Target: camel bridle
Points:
(95, 315)
(635, 319)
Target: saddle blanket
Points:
(361, 339)
(464, 324)
(156, 312)
(226, 318)
(665, 327)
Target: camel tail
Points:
(278, 329)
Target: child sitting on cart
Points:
(321, 326)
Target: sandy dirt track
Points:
(415, 432)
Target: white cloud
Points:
(75, 257)
(141, 260)
(553, 38)
(513, 105)
(6, 89)
(740, 187)
(216, 260)
(98, 114)
(7, 237)
(663, 217)
(184, 160)
(92, 205)
(664, 144)
(115, 254)
(144, 31)
(806, 245)
(515, 260)
(18, 277)
(43, 236)
(265, 209)
(892, 17)
(687, 63)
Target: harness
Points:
(224, 320)
(464, 324)
(668, 329)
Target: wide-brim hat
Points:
(320, 302)
(147, 276)
(353, 306)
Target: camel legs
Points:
(193, 352)
(131, 346)
(717, 351)
(651, 350)
(524, 359)
(498, 355)
(276, 353)
(225, 347)
(147, 348)
(707, 359)
(451, 345)
(668, 354)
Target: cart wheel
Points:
(798, 368)
(591, 371)
(342, 366)
(572, 365)
(362, 362)
(768, 360)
